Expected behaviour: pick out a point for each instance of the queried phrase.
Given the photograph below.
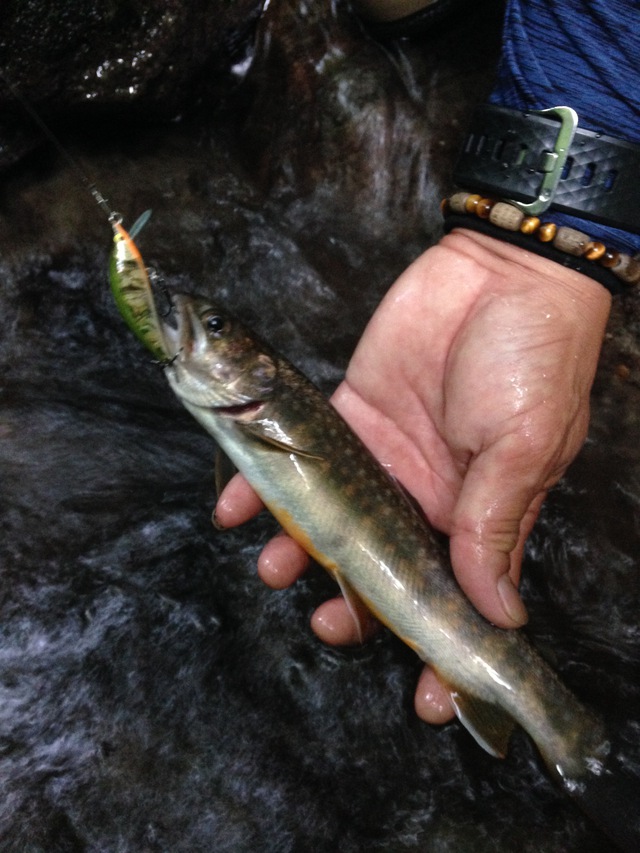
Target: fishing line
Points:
(132, 284)
(101, 201)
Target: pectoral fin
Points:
(488, 723)
(258, 430)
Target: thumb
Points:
(491, 521)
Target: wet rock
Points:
(329, 110)
(132, 59)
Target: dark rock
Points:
(126, 59)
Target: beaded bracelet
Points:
(568, 246)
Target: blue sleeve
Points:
(583, 54)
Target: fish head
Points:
(214, 362)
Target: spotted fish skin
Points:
(332, 496)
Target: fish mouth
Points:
(188, 370)
(180, 327)
(240, 411)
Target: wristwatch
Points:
(542, 159)
(517, 167)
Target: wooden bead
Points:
(457, 202)
(483, 208)
(570, 240)
(610, 259)
(530, 224)
(628, 270)
(471, 202)
(594, 250)
(506, 216)
(547, 232)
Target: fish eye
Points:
(215, 324)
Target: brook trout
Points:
(331, 495)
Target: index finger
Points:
(236, 504)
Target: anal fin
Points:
(488, 723)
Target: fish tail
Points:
(609, 795)
(588, 767)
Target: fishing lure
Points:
(130, 280)
(131, 286)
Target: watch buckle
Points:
(553, 162)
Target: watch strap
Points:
(509, 154)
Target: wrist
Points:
(567, 247)
(523, 270)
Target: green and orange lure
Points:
(130, 284)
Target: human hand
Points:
(471, 385)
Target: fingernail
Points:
(511, 601)
(216, 522)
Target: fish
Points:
(328, 492)
(333, 497)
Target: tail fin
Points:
(611, 799)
